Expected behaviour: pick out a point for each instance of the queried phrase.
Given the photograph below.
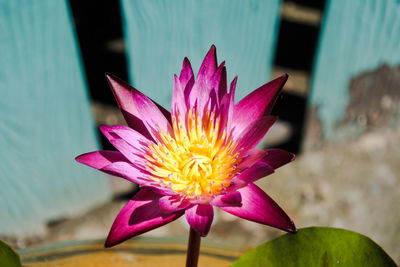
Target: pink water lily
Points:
(202, 154)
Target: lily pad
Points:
(8, 257)
(318, 246)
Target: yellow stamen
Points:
(198, 161)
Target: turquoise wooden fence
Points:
(45, 120)
(357, 36)
(160, 33)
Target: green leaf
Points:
(8, 257)
(318, 246)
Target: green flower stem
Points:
(193, 249)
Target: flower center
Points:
(198, 161)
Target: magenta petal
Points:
(228, 200)
(222, 88)
(226, 108)
(186, 73)
(200, 218)
(232, 87)
(129, 142)
(135, 156)
(141, 214)
(123, 93)
(200, 93)
(100, 159)
(209, 63)
(173, 203)
(178, 100)
(257, 206)
(150, 114)
(126, 171)
(251, 157)
(257, 104)
(132, 137)
(255, 131)
(202, 88)
(277, 157)
(113, 163)
(256, 171)
(218, 82)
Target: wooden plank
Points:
(160, 33)
(357, 36)
(45, 119)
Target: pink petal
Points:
(113, 163)
(200, 93)
(123, 93)
(178, 101)
(151, 115)
(232, 87)
(141, 214)
(277, 157)
(257, 206)
(200, 218)
(254, 132)
(257, 104)
(132, 137)
(126, 171)
(258, 170)
(226, 108)
(156, 188)
(100, 159)
(134, 155)
(173, 203)
(186, 77)
(209, 63)
(216, 83)
(202, 87)
(132, 147)
(222, 89)
(251, 157)
(228, 200)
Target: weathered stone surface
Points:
(374, 98)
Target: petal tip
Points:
(80, 158)
(281, 81)
(283, 78)
(107, 245)
(104, 128)
(292, 228)
(203, 234)
(186, 62)
(111, 78)
(212, 51)
(110, 241)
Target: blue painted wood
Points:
(357, 36)
(45, 119)
(160, 33)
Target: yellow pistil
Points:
(198, 161)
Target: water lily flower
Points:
(201, 155)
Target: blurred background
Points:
(339, 111)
